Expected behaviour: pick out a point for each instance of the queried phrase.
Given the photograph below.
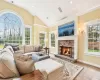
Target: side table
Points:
(47, 50)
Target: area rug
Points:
(70, 70)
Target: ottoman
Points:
(54, 69)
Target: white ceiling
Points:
(49, 8)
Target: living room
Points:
(49, 40)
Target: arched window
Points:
(11, 29)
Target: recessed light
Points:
(33, 6)
(60, 10)
(71, 2)
(46, 17)
(12, 1)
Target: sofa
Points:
(30, 49)
(22, 67)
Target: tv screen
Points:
(66, 29)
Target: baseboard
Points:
(92, 64)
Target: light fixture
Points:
(71, 2)
(12, 1)
(33, 6)
(81, 30)
(60, 10)
(46, 17)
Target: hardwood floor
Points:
(88, 73)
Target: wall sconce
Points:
(81, 30)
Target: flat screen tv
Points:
(66, 29)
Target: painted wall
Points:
(39, 26)
(27, 18)
(80, 24)
(82, 19)
(38, 21)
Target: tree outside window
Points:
(27, 36)
(42, 39)
(10, 29)
(52, 40)
(93, 38)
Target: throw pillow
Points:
(10, 48)
(41, 47)
(36, 48)
(24, 66)
(28, 48)
(7, 65)
(22, 57)
(16, 48)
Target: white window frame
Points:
(30, 27)
(52, 32)
(43, 32)
(13, 12)
(86, 39)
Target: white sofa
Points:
(50, 69)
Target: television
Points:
(66, 29)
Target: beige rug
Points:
(70, 70)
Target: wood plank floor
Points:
(88, 73)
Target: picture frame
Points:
(66, 29)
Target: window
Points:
(27, 36)
(52, 40)
(93, 38)
(42, 39)
(10, 29)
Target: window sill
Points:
(92, 54)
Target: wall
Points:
(38, 21)
(27, 18)
(39, 26)
(82, 19)
(80, 24)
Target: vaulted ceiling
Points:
(52, 11)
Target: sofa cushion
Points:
(36, 48)
(41, 47)
(22, 57)
(24, 66)
(28, 48)
(7, 65)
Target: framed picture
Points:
(66, 29)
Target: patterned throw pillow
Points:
(7, 65)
